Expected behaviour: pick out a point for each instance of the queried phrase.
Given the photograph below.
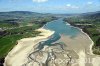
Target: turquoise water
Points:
(60, 27)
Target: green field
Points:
(8, 41)
(17, 26)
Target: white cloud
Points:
(89, 3)
(72, 6)
(68, 5)
(40, 1)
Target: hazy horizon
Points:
(53, 13)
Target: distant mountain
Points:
(91, 15)
(24, 16)
(19, 12)
(64, 15)
(28, 14)
(20, 15)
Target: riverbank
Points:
(92, 43)
(91, 28)
(94, 59)
(23, 48)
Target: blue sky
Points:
(50, 6)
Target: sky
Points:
(50, 6)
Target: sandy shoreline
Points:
(86, 52)
(95, 58)
(80, 47)
(92, 43)
(19, 53)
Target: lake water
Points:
(60, 27)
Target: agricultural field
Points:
(17, 25)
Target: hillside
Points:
(90, 23)
(91, 15)
(18, 14)
(22, 17)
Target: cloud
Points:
(68, 5)
(72, 6)
(89, 3)
(40, 1)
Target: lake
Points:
(61, 28)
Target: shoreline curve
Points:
(24, 46)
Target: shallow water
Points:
(61, 28)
